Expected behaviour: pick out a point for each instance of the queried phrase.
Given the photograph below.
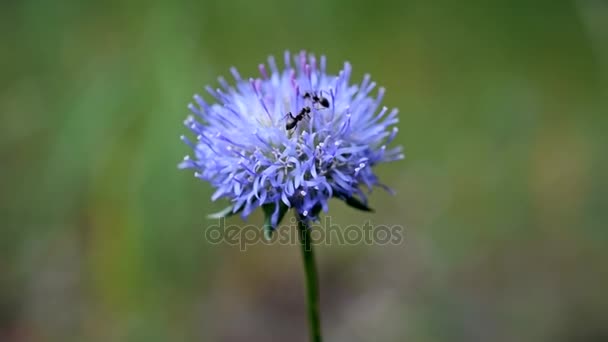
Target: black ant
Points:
(292, 121)
(324, 102)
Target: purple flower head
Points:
(293, 138)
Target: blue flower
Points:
(293, 138)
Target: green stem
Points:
(312, 285)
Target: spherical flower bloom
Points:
(293, 138)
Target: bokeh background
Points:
(502, 194)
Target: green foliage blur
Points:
(502, 193)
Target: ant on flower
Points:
(292, 121)
(324, 102)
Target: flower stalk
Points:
(312, 283)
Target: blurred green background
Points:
(503, 191)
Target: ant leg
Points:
(288, 115)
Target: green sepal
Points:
(226, 212)
(354, 202)
(268, 211)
